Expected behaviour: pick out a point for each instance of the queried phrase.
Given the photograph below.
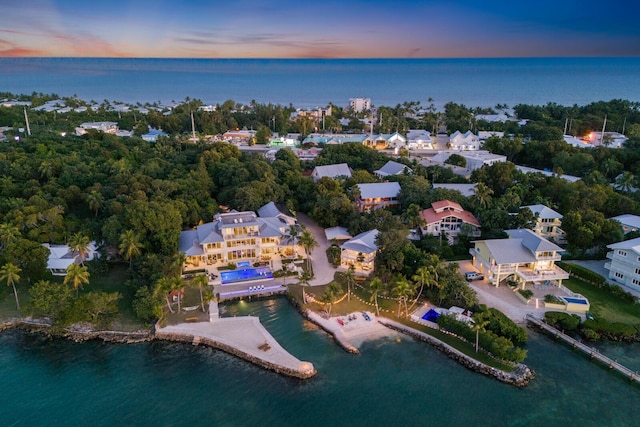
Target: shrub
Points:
(552, 299)
(502, 326)
(333, 255)
(566, 321)
(584, 274)
(611, 330)
(526, 293)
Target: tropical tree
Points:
(292, 237)
(79, 245)
(77, 276)
(177, 284)
(201, 281)
(426, 275)
(330, 295)
(308, 242)
(479, 326)
(130, 245)
(95, 199)
(8, 234)
(11, 274)
(163, 287)
(625, 181)
(376, 286)
(349, 276)
(402, 290)
(483, 195)
(305, 277)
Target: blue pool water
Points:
(575, 300)
(246, 274)
(244, 264)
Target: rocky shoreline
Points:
(78, 334)
(518, 378)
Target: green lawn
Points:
(606, 305)
(389, 308)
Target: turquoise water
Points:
(245, 274)
(311, 82)
(392, 382)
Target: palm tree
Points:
(163, 287)
(177, 284)
(483, 195)
(479, 326)
(304, 281)
(330, 295)
(130, 245)
(11, 274)
(376, 287)
(425, 275)
(403, 290)
(95, 201)
(8, 234)
(79, 245)
(349, 277)
(291, 237)
(76, 276)
(625, 181)
(201, 281)
(308, 243)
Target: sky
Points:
(319, 29)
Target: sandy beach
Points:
(352, 333)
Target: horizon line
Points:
(325, 58)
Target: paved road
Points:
(322, 269)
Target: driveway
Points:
(323, 270)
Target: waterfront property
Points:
(246, 275)
(624, 267)
(377, 195)
(62, 256)
(548, 223)
(360, 252)
(447, 217)
(524, 258)
(237, 236)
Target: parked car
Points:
(472, 275)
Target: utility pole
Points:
(26, 119)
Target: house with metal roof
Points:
(624, 267)
(360, 251)
(340, 170)
(62, 256)
(629, 222)
(524, 257)
(377, 195)
(447, 218)
(234, 237)
(392, 168)
(419, 139)
(466, 190)
(463, 141)
(548, 223)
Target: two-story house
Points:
(447, 217)
(548, 223)
(463, 141)
(360, 251)
(377, 195)
(524, 257)
(624, 267)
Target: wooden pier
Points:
(593, 353)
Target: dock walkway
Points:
(593, 353)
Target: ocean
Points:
(307, 83)
(392, 382)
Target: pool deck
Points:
(244, 337)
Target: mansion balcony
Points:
(537, 275)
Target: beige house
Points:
(524, 257)
(360, 252)
(377, 195)
(447, 217)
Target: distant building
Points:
(629, 222)
(359, 104)
(611, 139)
(466, 190)
(377, 195)
(548, 223)
(392, 168)
(467, 141)
(153, 135)
(419, 139)
(474, 159)
(106, 127)
(340, 170)
(483, 135)
(239, 136)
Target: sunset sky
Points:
(319, 29)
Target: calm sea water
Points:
(313, 82)
(392, 382)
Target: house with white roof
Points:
(548, 223)
(106, 127)
(524, 257)
(483, 135)
(234, 237)
(419, 139)
(474, 159)
(447, 217)
(624, 267)
(62, 256)
(340, 170)
(629, 222)
(611, 139)
(463, 141)
(271, 210)
(392, 168)
(377, 195)
(493, 118)
(359, 104)
(337, 233)
(360, 251)
(575, 142)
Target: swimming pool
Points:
(573, 300)
(244, 264)
(245, 275)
